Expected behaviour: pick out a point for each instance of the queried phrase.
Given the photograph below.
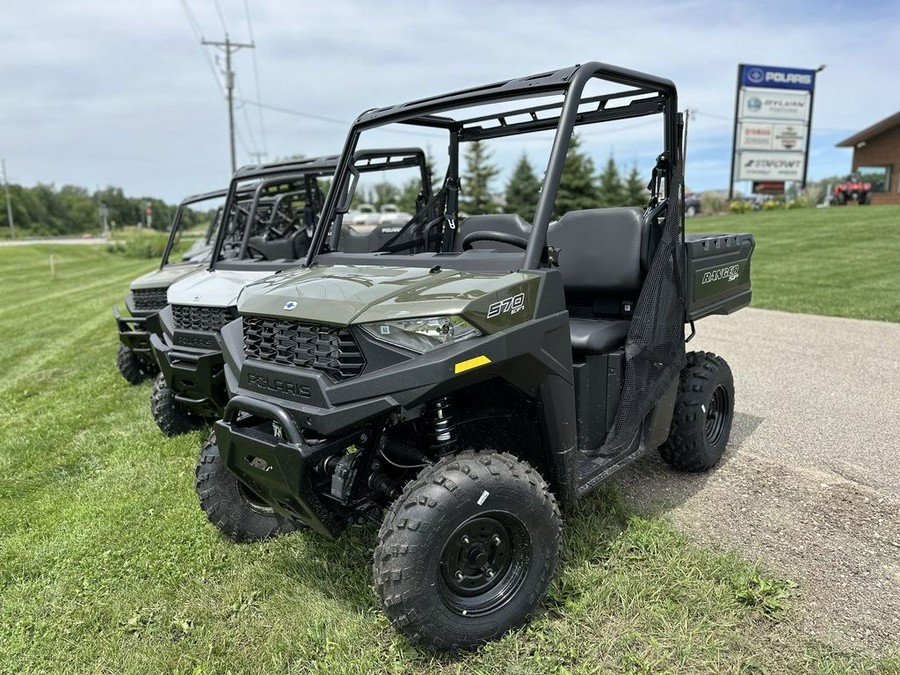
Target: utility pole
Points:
(9, 215)
(228, 48)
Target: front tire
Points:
(704, 411)
(467, 551)
(235, 510)
(131, 367)
(170, 416)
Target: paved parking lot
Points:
(810, 485)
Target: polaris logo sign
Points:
(777, 78)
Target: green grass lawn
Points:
(841, 261)
(107, 565)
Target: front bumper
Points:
(197, 378)
(133, 334)
(280, 469)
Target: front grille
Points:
(332, 351)
(149, 299)
(206, 319)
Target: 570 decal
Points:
(511, 305)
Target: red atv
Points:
(852, 189)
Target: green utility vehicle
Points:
(147, 294)
(468, 376)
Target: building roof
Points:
(871, 132)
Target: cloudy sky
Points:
(94, 92)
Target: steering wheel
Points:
(491, 235)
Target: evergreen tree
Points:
(523, 189)
(612, 191)
(635, 189)
(476, 196)
(384, 193)
(577, 189)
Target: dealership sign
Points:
(770, 166)
(770, 77)
(757, 136)
(773, 109)
(778, 105)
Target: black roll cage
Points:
(650, 95)
(179, 212)
(272, 174)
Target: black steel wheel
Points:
(704, 412)
(168, 413)
(132, 368)
(234, 508)
(467, 551)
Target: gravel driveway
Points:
(810, 484)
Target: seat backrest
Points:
(603, 257)
(508, 223)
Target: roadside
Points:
(810, 486)
(54, 241)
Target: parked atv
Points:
(147, 294)
(466, 377)
(270, 234)
(852, 189)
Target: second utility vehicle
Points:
(461, 380)
(147, 294)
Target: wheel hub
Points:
(716, 414)
(483, 562)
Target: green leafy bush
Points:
(740, 206)
(141, 244)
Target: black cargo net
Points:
(654, 348)
(208, 319)
(147, 299)
(327, 349)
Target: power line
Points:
(198, 34)
(298, 113)
(259, 110)
(221, 17)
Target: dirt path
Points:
(810, 485)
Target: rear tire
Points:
(132, 368)
(170, 416)
(467, 551)
(235, 510)
(704, 412)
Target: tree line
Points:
(45, 210)
(580, 186)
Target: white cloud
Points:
(95, 92)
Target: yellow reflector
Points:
(468, 364)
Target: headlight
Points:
(422, 335)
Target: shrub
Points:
(711, 203)
(773, 205)
(740, 206)
(141, 244)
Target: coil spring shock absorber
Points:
(440, 415)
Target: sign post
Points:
(772, 114)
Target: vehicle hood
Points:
(219, 288)
(343, 294)
(166, 276)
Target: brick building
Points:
(876, 157)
